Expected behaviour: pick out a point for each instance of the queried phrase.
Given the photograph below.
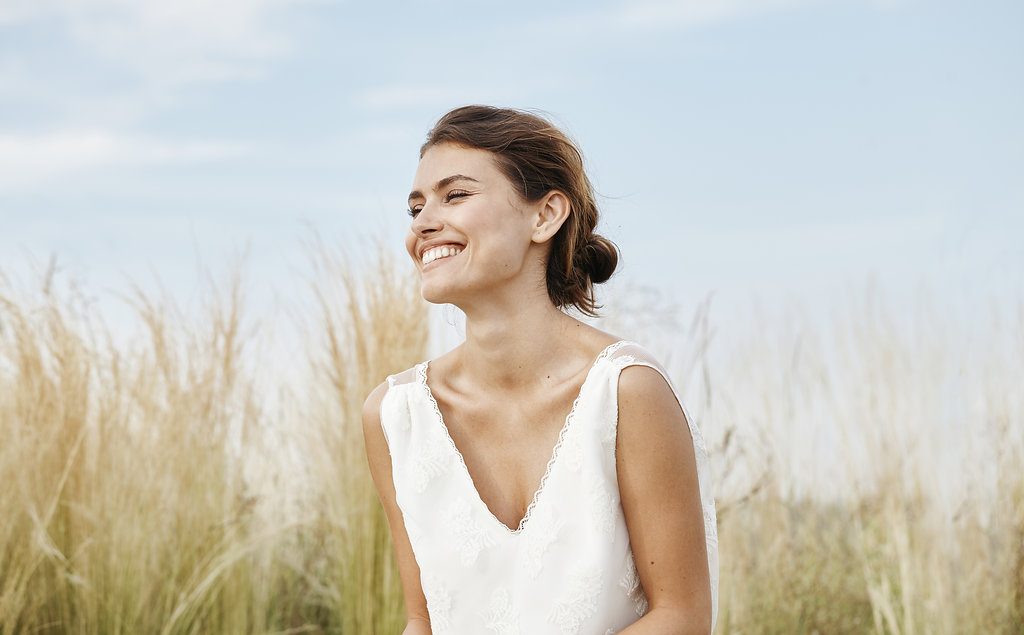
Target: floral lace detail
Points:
(710, 524)
(609, 430)
(433, 461)
(631, 582)
(573, 451)
(610, 631)
(543, 533)
(578, 603)
(501, 617)
(404, 420)
(439, 604)
(470, 536)
(602, 506)
(624, 360)
(698, 439)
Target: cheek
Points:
(500, 245)
(500, 257)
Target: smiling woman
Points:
(546, 477)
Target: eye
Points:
(448, 197)
(455, 194)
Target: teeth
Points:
(440, 252)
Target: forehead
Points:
(444, 159)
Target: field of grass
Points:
(176, 485)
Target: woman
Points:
(544, 476)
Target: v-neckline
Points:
(555, 452)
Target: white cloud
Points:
(149, 49)
(28, 160)
(184, 40)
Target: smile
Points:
(438, 256)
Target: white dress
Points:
(568, 567)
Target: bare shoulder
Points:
(653, 437)
(643, 389)
(378, 456)
(371, 406)
(600, 339)
(660, 494)
(373, 431)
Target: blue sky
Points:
(772, 148)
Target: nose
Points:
(426, 221)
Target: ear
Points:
(552, 210)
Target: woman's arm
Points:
(379, 458)
(664, 621)
(660, 493)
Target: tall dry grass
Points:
(923, 527)
(181, 483)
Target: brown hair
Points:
(537, 157)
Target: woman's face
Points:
(460, 198)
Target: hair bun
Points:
(600, 258)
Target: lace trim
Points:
(421, 374)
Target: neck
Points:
(511, 349)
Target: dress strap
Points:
(407, 376)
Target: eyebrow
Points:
(442, 183)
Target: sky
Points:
(757, 152)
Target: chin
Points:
(434, 294)
(439, 291)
